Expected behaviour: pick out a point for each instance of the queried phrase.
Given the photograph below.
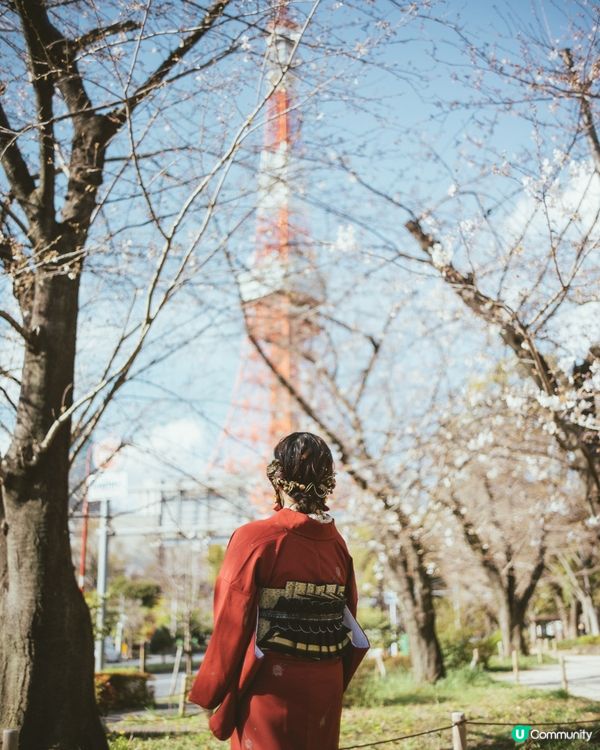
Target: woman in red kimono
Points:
(285, 642)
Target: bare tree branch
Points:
(17, 172)
(474, 541)
(517, 336)
(95, 35)
(16, 325)
(581, 89)
(42, 79)
(513, 332)
(214, 12)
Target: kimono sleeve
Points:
(351, 591)
(359, 641)
(235, 603)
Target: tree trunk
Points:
(505, 629)
(512, 624)
(561, 609)
(424, 649)
(574, 610)
(46, 646)
(418, 613)
(590, 615)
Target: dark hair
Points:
(304, 469)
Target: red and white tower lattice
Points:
(280, 289)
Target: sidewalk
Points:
(583, 676)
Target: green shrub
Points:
(369, 689)
(146, 592)
(122, 690)
(161, 641)
(458, 645)
(458, 679)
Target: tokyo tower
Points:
(280, 289)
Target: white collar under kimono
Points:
(321, 517)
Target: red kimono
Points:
(285, 641)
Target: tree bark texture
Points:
(416, 607)
(511, 618)
(574, 614)
(46, 652)
(561, 608)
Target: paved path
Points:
(583, 676)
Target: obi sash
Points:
(303, 619)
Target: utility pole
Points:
(86, 517)
(103, 533)
(161, 521)
(120, 627)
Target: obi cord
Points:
(303, 619)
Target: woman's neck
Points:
(317, 513)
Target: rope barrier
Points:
(10, 737)
(397, 739)
(467, 722)
(536, 723)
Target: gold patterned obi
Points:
(303, 619)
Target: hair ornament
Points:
(321, 489)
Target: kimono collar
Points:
(301, 524)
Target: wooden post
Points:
(554, 647)
(182, 695)
(563, 673)
(142, 656)
(540, 656)
(377, 655)
(173, 684)
(10, 739)
(474, 658)
(515, 664)
(533, 637)
(500, 650)
(459, 731)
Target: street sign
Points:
(108, 485)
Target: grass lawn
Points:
(525, 662)
(395, 706)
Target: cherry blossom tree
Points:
(503, 213)
(525, 264)
(512, 498)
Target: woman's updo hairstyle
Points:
(303, 469)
